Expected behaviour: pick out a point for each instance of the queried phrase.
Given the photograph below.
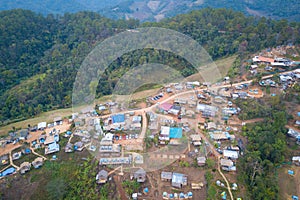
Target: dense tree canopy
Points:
(40, 55)
(266, 151)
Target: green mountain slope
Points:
(40, 56)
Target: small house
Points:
(211, 126)
(134, 196)
(165, 107)
(208, 113)
(227, 165)
(38, 162)
(196, 139)
(78, 122)
(4, 160)
(69, 147)
(261, 59)
(52, 148)
(140, 175)
(42, 125)
(101, 177)
(16, 155)
(49, 139)
(201, 161)
(179, 180)
(175, 110)
(229, 154)
(192, 103)
(180, 101)
(78, 146)
(166, 176)
(136, 119)
(252, 67)
(33, 129)
(296, 160)
(25, 167)
(118, 119)
(57, 120)
(23, 134)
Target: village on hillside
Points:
(166, 142)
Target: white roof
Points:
(211, 125)
(195, 137)
(297, 76)
(42, 125)
(231, 154)
(255, 59)
(108, 137)
(297, 70)
(277, 64)
(197, 83)
(219, 136)
(165, 130)
(296, 158)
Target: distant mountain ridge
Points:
(156, 10)
(58, 6)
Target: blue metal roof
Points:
(8, 171)
(119, 118)
(175, 132)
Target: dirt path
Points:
(12, 163)
(225, 179)
(35, 153)
(120, 189)
(213, 150)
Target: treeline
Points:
(40, 55)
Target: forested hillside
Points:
(40, 55)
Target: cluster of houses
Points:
(170, 135)
(49, 141)
(180, 107)
(85, 139)
(271, 63)
(177, 180)
(26, 166)
(24, 134)
(274, 62)
(124, 122)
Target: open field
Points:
(288, 185)
(223, 67)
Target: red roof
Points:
(166, 106)
(265, 59)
